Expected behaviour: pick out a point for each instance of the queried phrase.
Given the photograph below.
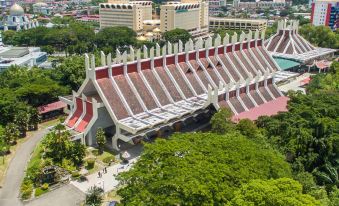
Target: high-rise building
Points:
(325, 12)
(5, 4)
(262, 4)
(215, 7)
(125, 13)
(187, 14)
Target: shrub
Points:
(90, 163)
(95, 152)
(44, 186)
(108, 159)
(75, 174)
(26, 189)
(39, 191)
(68, 165)
(94, 196)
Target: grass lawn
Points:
(4, 161)
(94, 169)
(50, 123)
(105, 154)
(36, 156)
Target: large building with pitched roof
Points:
(288, 45)
(155, 91)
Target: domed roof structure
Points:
(40, 4)
(16, 10)
(149, 34)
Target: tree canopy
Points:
(76, 38)
(111, 38)
(308, 134)
(23, 88)
(321, 36)
(279, 192)
(175, 35)
(198, 169)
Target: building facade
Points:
(288, 44)
(237, 24)
(215, 7)
(17, 20)
(256, 4)
(155, 93)
(326, 13)
(121, 13)
(21, 56)
(5, 4)
(189, 15)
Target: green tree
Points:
(111, 38)
(101, 139)
(321, 36)
(221, 121)
(247, 128)
(48, 49)
(279, 192)
(308, 134)
(8, 37)
(71, 71)
(94, 196)
(58, 146)
(198, 169)
(21, 120)
(175, 35)
(223, 32)
(34, 118)
(4, 146)
(11, 133)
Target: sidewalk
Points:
(295, 84)
(107, 181)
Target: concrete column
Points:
(115, 143)
(177, 127)
(115, 139)
(159, 133)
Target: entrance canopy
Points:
(285, 64)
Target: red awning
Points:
(266, 109)
(323, 64)
(51, 107)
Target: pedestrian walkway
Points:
(9, 193)
(295, 84)
(107, 181)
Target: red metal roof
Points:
(51, 107)
(266, 109)
(323, 64)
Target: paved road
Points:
(9, 193)
(67, 195)
(108, 181)
(295, 84)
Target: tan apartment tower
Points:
(191, 15)
(125, 13)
